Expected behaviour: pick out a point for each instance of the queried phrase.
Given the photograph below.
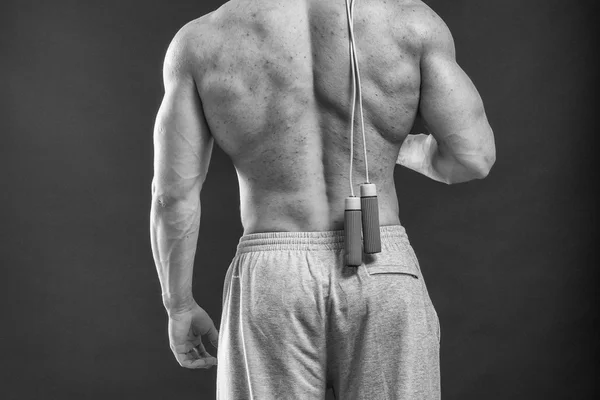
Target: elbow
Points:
(475, 167)
(483, 167)
(163, 201)
(488, 155)
(171, 203)
(169, 197)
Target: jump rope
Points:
(360, 212)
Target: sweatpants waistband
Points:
(392, 238)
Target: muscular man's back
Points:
(271, 81)
(275, 83)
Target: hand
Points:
(185, 336)
(417, 151)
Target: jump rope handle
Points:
(370, 218)
(352, 232)
(362, 213)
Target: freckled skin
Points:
(275, 82)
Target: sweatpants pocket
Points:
(391, 269)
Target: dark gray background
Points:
(509, 260)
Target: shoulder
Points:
(188, 46)
(428, 27)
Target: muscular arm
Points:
(182, 150)
(461, 145)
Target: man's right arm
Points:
(461, 145)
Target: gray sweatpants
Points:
(296, 321)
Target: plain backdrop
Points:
(509, 261)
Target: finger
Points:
(197, 342)
(190, 354)
(202, 363)
(195, 354)
(212, 332)
(186, 359)
(199, 353)
(183, 348)
(200, 350)
(213, 336)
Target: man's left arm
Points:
(182, 151)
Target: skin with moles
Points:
(270, 82)
(277, 96)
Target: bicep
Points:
(182, 141)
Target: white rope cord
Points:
(355, 78)
(350, 21)
(362, 122)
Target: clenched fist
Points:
(186, 330)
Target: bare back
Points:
(276, 89)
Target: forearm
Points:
(423, 154)
(174, 235)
